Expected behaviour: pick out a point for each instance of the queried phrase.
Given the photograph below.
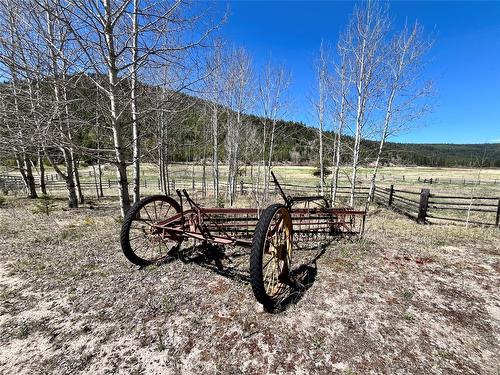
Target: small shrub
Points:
(44, 205)
(161, 345)
(67, 233)
(317, 169)
(22, 331)
(317, 343)
(220, 201)
(151, 267)
(166, 304)
(409, 317)
(445, 354)
(90, 203)
(407, 294)
(317, 172)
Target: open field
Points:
(406, 298)
(477, 191)
(449, 180)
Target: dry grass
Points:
(404, 299)
(402, 177)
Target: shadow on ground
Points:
(234, 266)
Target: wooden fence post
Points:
(424, 205)
(391, 193)
(497, 220)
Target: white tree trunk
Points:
(133, 104)
(116, 124)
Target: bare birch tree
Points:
(239, 98)
(363, 43)
(133, 98)
(322, 75)
(404, 92)
(340, 113)
(214, 96)
(272, 90)
(56, 42)
(16, 120)
(120, 38)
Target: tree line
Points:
(129, 81)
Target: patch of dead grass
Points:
(404, 298)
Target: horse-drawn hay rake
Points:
(156, 226)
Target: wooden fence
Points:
(437, 180)
(150, 186)
(10, 183)
(424, 206)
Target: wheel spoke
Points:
(147, 241)
(145, 209)
(143, 235)
(268, 262)
(271, 283)
(267, 269)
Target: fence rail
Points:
(438, 208)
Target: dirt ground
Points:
(406, 298)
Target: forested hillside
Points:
(298, 143)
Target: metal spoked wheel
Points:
(271, 256)
(143, 241)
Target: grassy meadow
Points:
(463, 181)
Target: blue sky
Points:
(464, 62)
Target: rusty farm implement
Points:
(156, 226)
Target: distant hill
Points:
(295, 138)
(445, 154)
(298, 143)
